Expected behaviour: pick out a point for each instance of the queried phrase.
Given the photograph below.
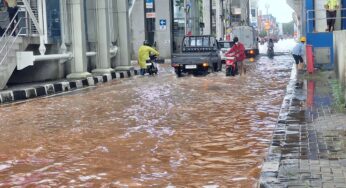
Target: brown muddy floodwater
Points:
(159, 131)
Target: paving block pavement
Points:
(309, 142)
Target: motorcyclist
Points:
(270, 43)
(270, 46)
(238, 51)
(143, 55)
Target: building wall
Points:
(137, 27)
(253, 13)
(52, 70)
(163, 35)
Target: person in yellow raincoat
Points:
(143, 55)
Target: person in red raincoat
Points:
(238, 51)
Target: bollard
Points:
(310, 59)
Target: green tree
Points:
(288, 28)
(263, 33)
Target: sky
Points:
(278, 8)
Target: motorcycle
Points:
(270, 52)
(231, 65)
(151, 65)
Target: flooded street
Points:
(160, 131)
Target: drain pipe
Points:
(131, 8)
(63, 47)
(42, 47)
(68, 56)
(63, 57)
(50, 57)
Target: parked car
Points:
(200, 55)
(224, 46)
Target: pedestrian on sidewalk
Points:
(12, 9)
(331, 6)
(298, 52)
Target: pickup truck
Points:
(199, 55)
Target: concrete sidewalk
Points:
(309, 142)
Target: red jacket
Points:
(238, 50)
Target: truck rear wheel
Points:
(215, 67)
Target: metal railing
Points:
(11, 34)
(311, 18)
(7, 42)
(32, 31)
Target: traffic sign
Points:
(163, 24)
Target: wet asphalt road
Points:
(159, 131)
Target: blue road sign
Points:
(163, 22)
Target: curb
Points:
(271, 166)
(10, 96)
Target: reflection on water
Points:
(161, 131)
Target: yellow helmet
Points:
(302, 39)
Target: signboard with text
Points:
(149, 4)
(150, 15)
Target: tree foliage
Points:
(288, 28)
(263, 33)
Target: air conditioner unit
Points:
(236, 10)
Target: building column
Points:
(207, 17)
(219, 21)
(103, 58)
(124, 36)
(79, 64)
(194, 17)
(163, 35)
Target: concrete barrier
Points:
(340, 55)
(9, 96)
